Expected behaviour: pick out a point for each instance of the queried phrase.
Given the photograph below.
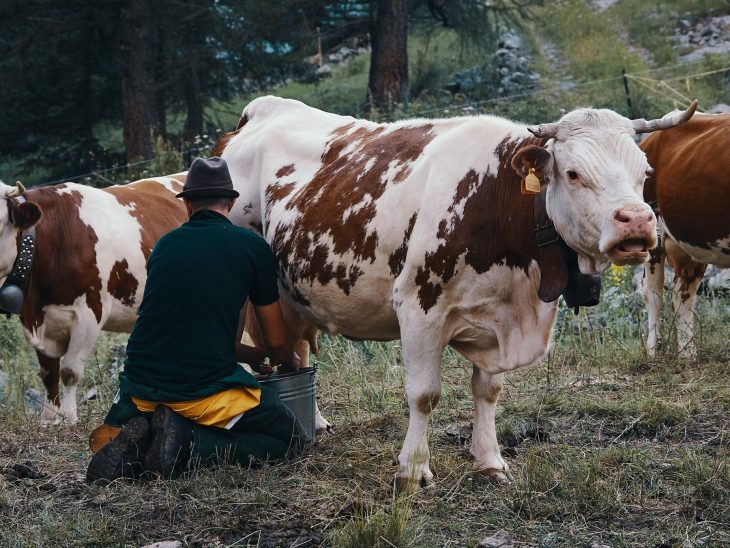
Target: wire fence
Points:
(659, 86)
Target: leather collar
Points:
(18, 278)
(559, 272)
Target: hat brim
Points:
(211, 192)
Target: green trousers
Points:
(269, 431)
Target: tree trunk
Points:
(193, 98)
(388, 83)
(136, 55)
(195, 34)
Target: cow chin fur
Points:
(592, 266)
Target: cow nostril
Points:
(622, 216)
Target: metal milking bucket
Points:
(297, 391)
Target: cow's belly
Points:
(121, 319)
(365, 313)
(716, 252)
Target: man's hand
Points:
(276, 336)
(296, 364)
(255, 357)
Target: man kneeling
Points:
(182, 394)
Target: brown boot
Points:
(123, 456)
(169, 450)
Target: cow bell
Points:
(582, 289)
(11, 299)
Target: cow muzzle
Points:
(634, 234)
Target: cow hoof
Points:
(498, 476)
(49, 416)
(322, 425)
(410, 484)
(45, 422)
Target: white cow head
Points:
(596, 172)
(14, 217)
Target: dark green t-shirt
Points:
(182, 346)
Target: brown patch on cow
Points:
(496, 227)
(49, 374)
(689, 183)
(220, 146)
(398, 258)
(656, 255)
(275, 193)
(69, 376)
(686, 269)
(122, 284)
(285, 170)
(64, 265)
(427, 402)
(279, 191)
(153, 206)
(340, 201)
(493, 393)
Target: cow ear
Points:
(532, 157)
(26, 215)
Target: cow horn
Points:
(544, 130)
(15, 192)
(672, 119)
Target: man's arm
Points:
(252, 355)
(275, 335)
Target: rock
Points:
(3, 384)
(499, 540)
(511, 41)
(165, 544)
(719, 108)
(715, 280)
(324, 69)
(459, 431)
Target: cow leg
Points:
(423, 389)
(688, 275)
(83, 336)
(50, 375)
(484, 446)
(653, 291)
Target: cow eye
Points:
(572, 175)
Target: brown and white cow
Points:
(418, 230)
(690, 188)
(88, 271)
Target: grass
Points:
(606, 448)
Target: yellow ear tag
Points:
(530, 184)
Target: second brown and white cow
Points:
(418, 230)
(88, 270)
(690, 189)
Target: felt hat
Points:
(208, 178)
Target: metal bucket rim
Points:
(303, 371)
